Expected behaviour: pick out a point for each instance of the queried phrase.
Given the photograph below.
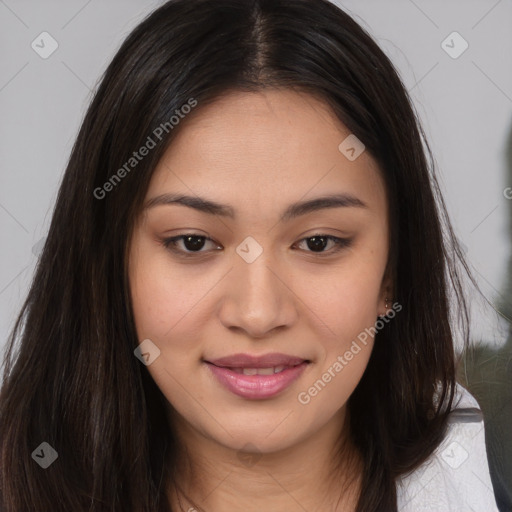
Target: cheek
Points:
(163, 297)
(345, 299)
(157, 304)
(163, 307)
(347, 310)
(346, 305)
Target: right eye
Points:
(192, 243)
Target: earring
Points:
(387, 307)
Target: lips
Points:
(257, 377)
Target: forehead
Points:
(264, 148)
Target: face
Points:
(244, 278)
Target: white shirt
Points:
(456, 477)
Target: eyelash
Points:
(170, 244)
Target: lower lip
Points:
(256, 386)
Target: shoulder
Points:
(456, 477)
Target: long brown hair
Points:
(70, 375)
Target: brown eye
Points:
(192, 243)
(317, 243)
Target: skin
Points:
(258, 153)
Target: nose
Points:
(258, 298)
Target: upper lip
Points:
(251, 361)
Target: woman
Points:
(242, 303)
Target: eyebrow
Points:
(293, 211)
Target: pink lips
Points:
(256, 386)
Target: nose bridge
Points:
(256, 298)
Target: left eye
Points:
(320, 241)
(194, 243)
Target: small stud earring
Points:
(387, 307)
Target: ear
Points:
(386, 292)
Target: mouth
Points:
(261, 371)
(266, 361)
(253, 380)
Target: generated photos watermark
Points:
(304, 397)
(144, 150)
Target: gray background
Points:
(465, 104)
